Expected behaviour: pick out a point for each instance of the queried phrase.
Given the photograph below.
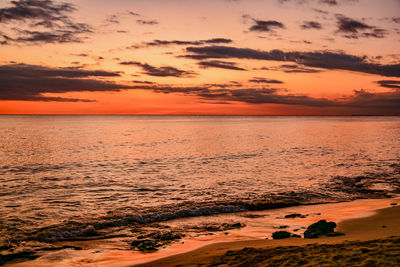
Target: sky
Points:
(209, 57)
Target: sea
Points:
(62, 176)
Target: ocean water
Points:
(61, 174)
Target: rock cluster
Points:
(153, 241)
(322, 227)
(283, 234)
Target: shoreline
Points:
(259, 225)
(381, 226)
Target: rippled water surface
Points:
(55, 169)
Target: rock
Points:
(294, 215)
(393, 204)
(145, 245)
(236, 225)
(320, 228)
(280, 235)
(283, 227)
(90, 231)
(283, 234)
(151, 242)
(295, 235)
(228, 226)
(222, 227)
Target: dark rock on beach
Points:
(295, 215)
(220, 227)
(145, 245)
(280, 235)
(322, 227)
(151, 242)
(283, 235)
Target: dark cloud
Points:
(230, 84)
(146, 22)
(42, 21)
(389, 84)
(113, 19)
(293, 68)
(389, 101)
(133, 13)
(25, 70)
(353, 29)
(329, 2)
(263, 80)
(30, 82)
(311, 25)
(34, 37)
(164, 71)
(143, 82)
(319, 59)
(265, 96)
(266, 25)
(362, 100)
(117, 17)
(321, 11)
(219, 64)
(158, 43)
(217, 41)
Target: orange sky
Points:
(200, 57)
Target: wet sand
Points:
(360, 220)
(369, 241)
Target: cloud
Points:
(118, 17)
(30, 82)
(389, 84)
(324, 12)
(293, 68)
(362, 100)
(143, 82)
(133, 13)
(164, 71)
(42, 21)
(367, 100)
(263, 80)
(329, 2)
(318, 59)
(265, 96)
(146, 22)
(159, 43)
(219, 64)
(311, 25)
(113, 19)
(266, 26)
(353, 29)
(33, 82)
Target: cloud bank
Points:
(40, 21)
(318, 59)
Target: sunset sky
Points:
(239, 57)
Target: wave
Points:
(339, 188)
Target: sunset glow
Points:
(280, 57)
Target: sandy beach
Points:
(371, 228)
(368, 241)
